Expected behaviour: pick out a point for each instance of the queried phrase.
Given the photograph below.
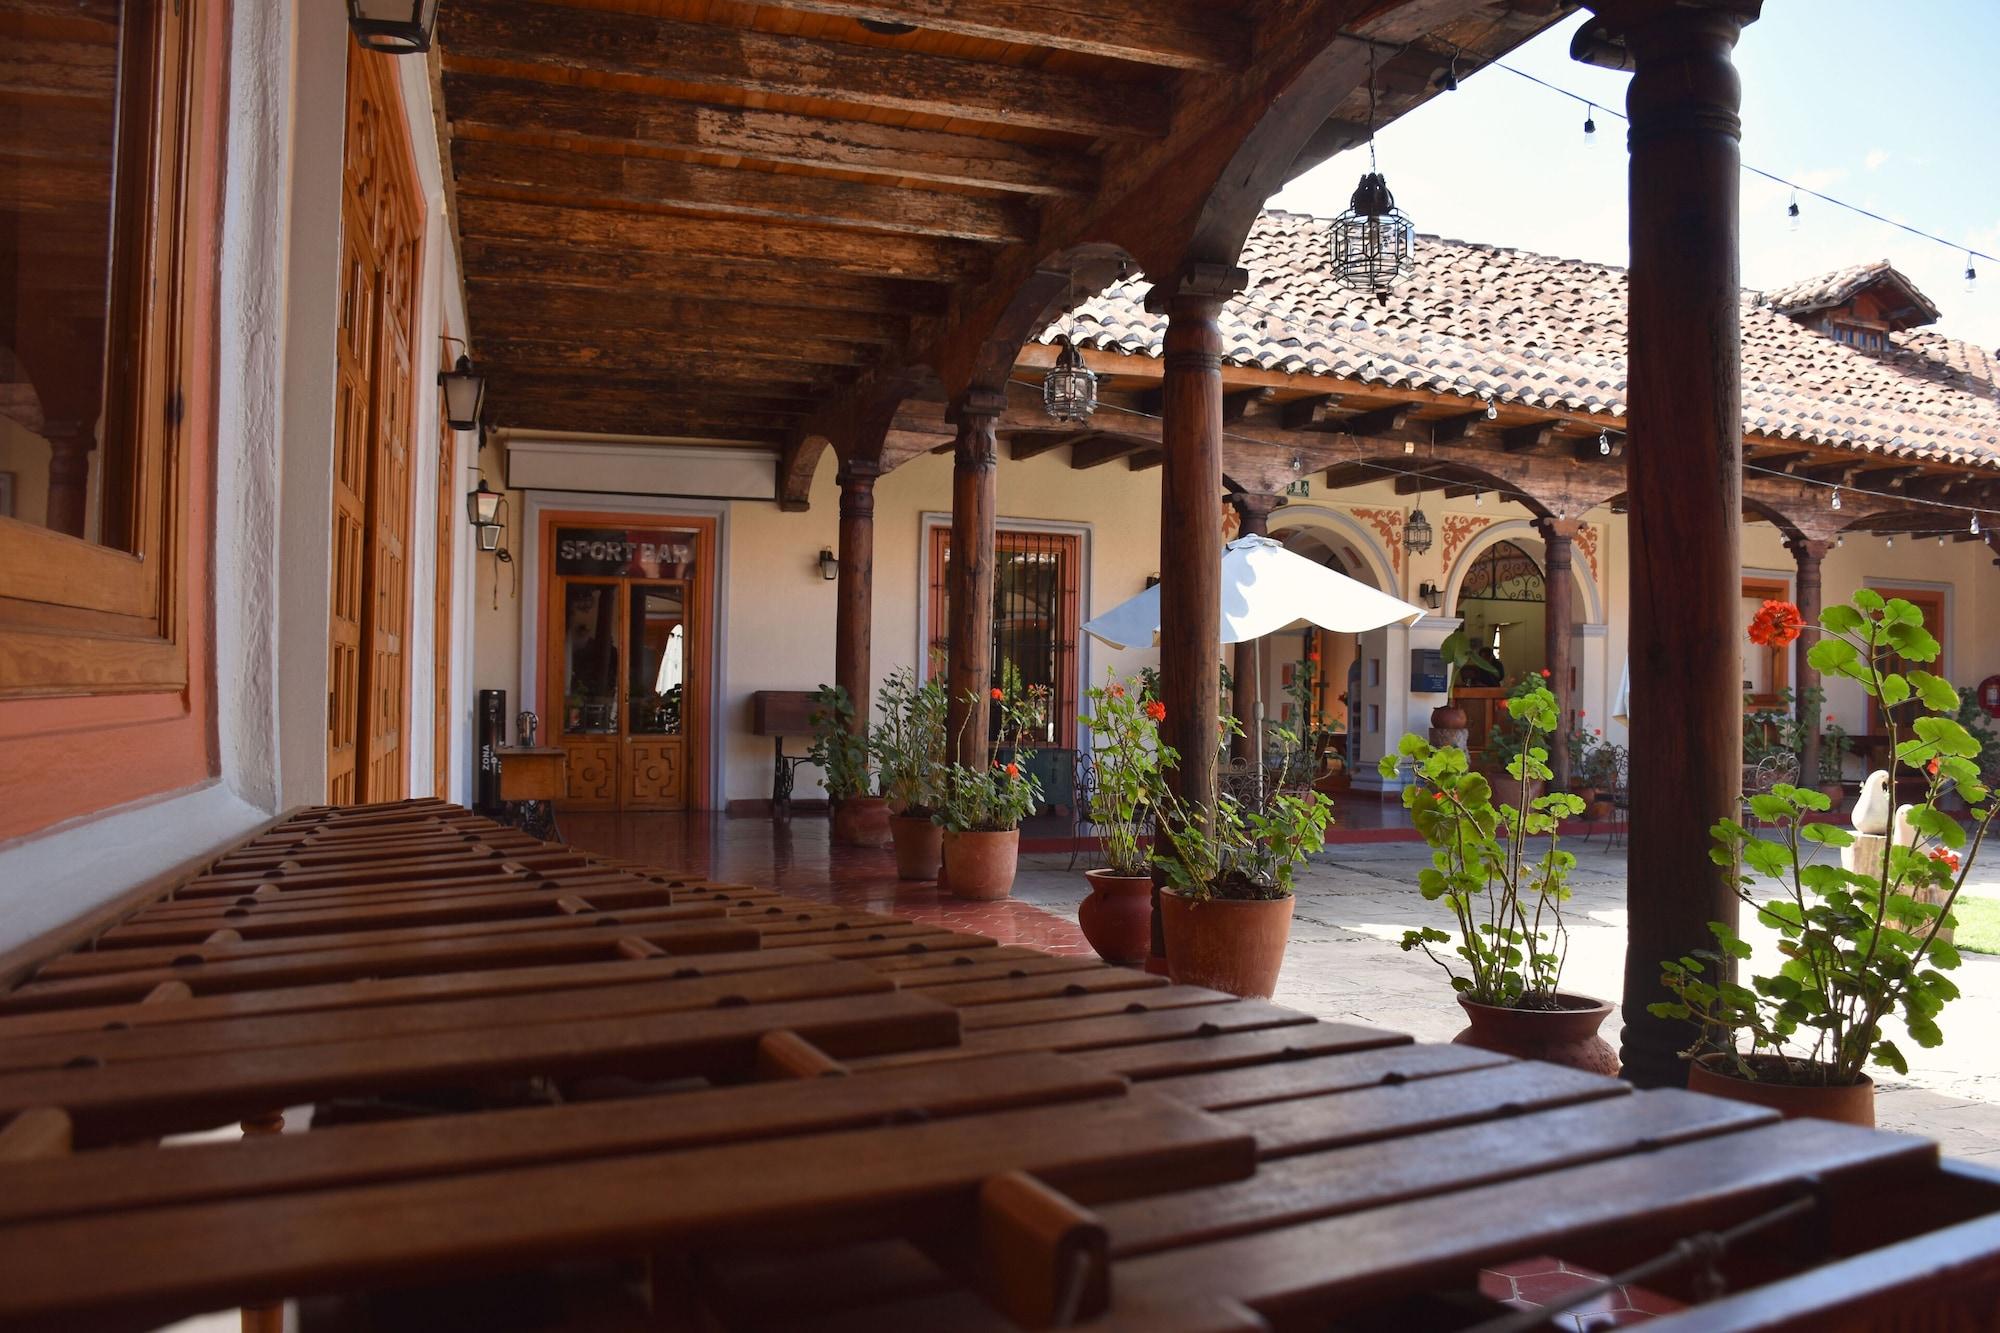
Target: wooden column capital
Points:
(1255, 511)
(1808, 552)
(857, 488)
(1558, 530)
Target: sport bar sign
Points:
(633, 553)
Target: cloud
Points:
(1876, 157)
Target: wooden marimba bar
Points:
(803, 1116)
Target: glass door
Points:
(656, 697)
(588, 660)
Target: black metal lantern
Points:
(1416, 532)
(464, 391)
(1069, 390)
(1373, 242)
(394, 27)
(829, 565)
(482, 507)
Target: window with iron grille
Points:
(1036, 603)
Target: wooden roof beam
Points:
(1446, 430)
(641, 349)
(639, 45)
(481, 106)
(598, 309)
(1236, 405)
(1033, 444)
(1178, 34)
(1313, 413)
(1523, 439)
(1144, 460)
(498, 170)
(1380, 421)
(1343, 475)
(1104, 449)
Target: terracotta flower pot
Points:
(980, 865)
(1117, 917)
(1565, 1036)
(1226, 944)
(861, 821)
(1448, 717)
(1852, 1104)
(1834, 791)
(1600, 811)
(919, 846)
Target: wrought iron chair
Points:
(1758, 778)
(1083, 797)
(1620, 796)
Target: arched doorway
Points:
(1502, 602)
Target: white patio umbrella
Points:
(1265, 588)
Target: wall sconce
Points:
(482, 510)
(394, 27)
(829, 565)
(464, 391)
(1432, 594)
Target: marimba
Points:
(532, 1062)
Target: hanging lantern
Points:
(1373, 243)
(1416, 532)
(1069, 390)
(394, 27)
(464, 391)
(482, 506)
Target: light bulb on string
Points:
(1603, 443)
(1840, 539)
(1491, 410)
(1589, 124)
(1940, 541)
(1888, 542)
(1974, 529)
(1792, 211)
(1836, 499)
(1409, 446)
(1971, 273)
(1479, 499)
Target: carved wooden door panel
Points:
(352, 449)
(657, 696)
(587, 668)
(381, 231)
(447, 513)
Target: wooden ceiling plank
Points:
(1102, 450)
(641, 309)
(1026, 444)
(563, 230)
(608, 42)
(690, 349)
(615, 117)
(644, 275)
(569, 177)
(1178, 34)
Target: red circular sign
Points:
(1989, 695)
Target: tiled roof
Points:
(1841, 286)
(1549, 333)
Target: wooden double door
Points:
(624, 686)
(381, 240)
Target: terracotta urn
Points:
(861, 821)
(1850, 1104)
(1449, 727)
(919, 846)
(980, 865)
(1834, 791)
(1226, 944)
(1562, 1036)
(1117, 917)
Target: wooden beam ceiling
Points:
(1178, 34)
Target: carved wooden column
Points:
(1809, 554)
(854, 617)
(1557, 632)
(969, 660)
(70, 445)
(1246, 670)
(1684, 471)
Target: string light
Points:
(1591, 109)
(1840, 539)
(1971, 273)
(1888, 542)
(1836, 499)
(1974, 529)
(1792, 211)
(1492, 409)
(1603, 442)
(1940, 542)
(1449, 83)
(1590, 126)
(1479, 499)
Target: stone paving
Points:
(1355, 901)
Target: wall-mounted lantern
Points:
(1432, 594)
(393, 27)
(482, 510)
(464, 393)
(829, 566)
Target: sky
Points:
(1899, 117)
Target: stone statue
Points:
(1871, 807)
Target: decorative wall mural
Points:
(1388, 522)
(1458, 529)
(1586, 542)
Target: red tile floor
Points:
(798, 857)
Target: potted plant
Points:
(909, 750)
(1226, 905)
(1456, 653)
(981, 809)
(1502, 874)
(1507, 739)
(841, 749)
(1858, 941)
(1117, 917)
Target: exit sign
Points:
(1303, 486)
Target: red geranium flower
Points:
(1013, 770)
(1945, 858)
(1156, 710)
(1313, 656)
(999, 693)
(1545, 673)
(1931, 768)
(1776, 624)
(1118, 691)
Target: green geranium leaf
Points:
(1914, 642)
(1894, 689)
(1868, 599)
(1936, 692)
(1889, 1057)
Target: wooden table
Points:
(803, 1117)
(533, 779)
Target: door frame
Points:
(542, 511)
